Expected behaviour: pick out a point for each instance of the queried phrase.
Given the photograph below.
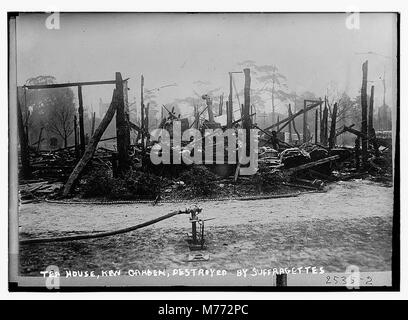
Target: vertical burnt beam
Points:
(209, 103)
(93, 124)
(325, 124)
(294, 124)
(197, 117)
(371, 131)
(147, 121)
(316, 125)
(122, 127)
(364, 142)
(24, 149)
(290, 126)
(332, 139)
(76, 137)
(142, 111)
(247, 104)
(371, 112)
(126, 110)
(357, 153)
(27, 117)
(304, 122)
(229, 105)
(81, 120)
(321, 123)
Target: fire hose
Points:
(108, 233)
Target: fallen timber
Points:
(274, 171)
(90, 150)
(312, 164)
(287, 120)
(362, 135)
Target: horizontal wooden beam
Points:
(293, 116)
(69, 84)
(313, 164)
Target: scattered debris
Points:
(127, 173)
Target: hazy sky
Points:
(311, 50)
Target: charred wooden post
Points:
(357, 153)
(253, 114)
(247, 103)
(24, 149)
(371, 130)
(81, 120)
(76, 137)
(126, 110)
(93, 124)
(364, 142)
(93, 143)
(320, 120)
(229, 105)
(208, 101)
(316, 125)
(220, 106)
(290, 125)
(294, 124)
(147, 121)
(142, 112)
(277, 128)
(122, 127)
(27, 117)
(304, 122)
(332, 139)
(325, 124)
(371, 111)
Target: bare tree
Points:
(61, 114)
(53, 108)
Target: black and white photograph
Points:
(207, 150)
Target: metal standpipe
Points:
(196, 242)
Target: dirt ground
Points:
(349, 224)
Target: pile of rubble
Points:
(50, 169)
